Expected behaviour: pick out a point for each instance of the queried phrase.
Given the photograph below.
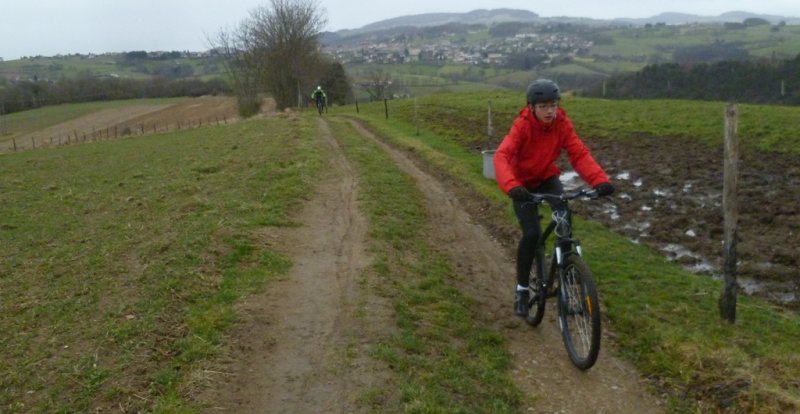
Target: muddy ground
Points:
(669, 196)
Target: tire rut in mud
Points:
(542, 368)
(298, 347)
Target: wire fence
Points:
(106, 133)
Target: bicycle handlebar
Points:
(567, 195)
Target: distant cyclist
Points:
(525, 162)
(320, 99)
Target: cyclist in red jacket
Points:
(525, 162)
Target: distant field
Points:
(56, 125)
(54, 68)
(661, 41)
(28, 121)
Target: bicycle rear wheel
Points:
(579, 313)
(537, 290)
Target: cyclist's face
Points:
(545, 111)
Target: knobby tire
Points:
(579, 313)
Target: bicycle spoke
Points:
(580, 316)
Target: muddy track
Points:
(542, 368)
(293, 340)
(296, 342)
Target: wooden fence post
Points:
(386, 107)
(416, 115)
(489, 129)
(14, 140)
(727, 301)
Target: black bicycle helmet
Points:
(543, 90)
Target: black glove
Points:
(519, 194)
(604, 189)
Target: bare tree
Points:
(275, 50)
(243, 65)
(380, 85)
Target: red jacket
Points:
(527, 155)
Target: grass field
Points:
(121, 260)
(464, 118)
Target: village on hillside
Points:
(444, 49)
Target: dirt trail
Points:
(297, 341)
(543, 370)
(293, 341)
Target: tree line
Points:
(741, 81)
(276, 51)
(32, 94)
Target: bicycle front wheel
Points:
(579, 313)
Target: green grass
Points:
(463, 117)
(121, 260)
(71, 67)
(447, 356)
(665, 319)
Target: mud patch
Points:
(669, 196)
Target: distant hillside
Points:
(490, 17)
(485, 17)
(673, 18)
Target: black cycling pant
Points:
(528, 216)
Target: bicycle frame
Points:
(578, 303)
(559, 254)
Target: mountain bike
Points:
(321, 105)
(568, 279)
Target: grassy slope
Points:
(665, 319)
(53, 68)
(121, 260)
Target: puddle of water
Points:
(676, 252)
(571, 180)
(647, 208)
(780, 291)
(662, 193)
(691, 233)
(623, 176)
(687, 187)
(638, 183)
(611, 210)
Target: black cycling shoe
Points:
(521, 298)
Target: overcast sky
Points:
(50, 27)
